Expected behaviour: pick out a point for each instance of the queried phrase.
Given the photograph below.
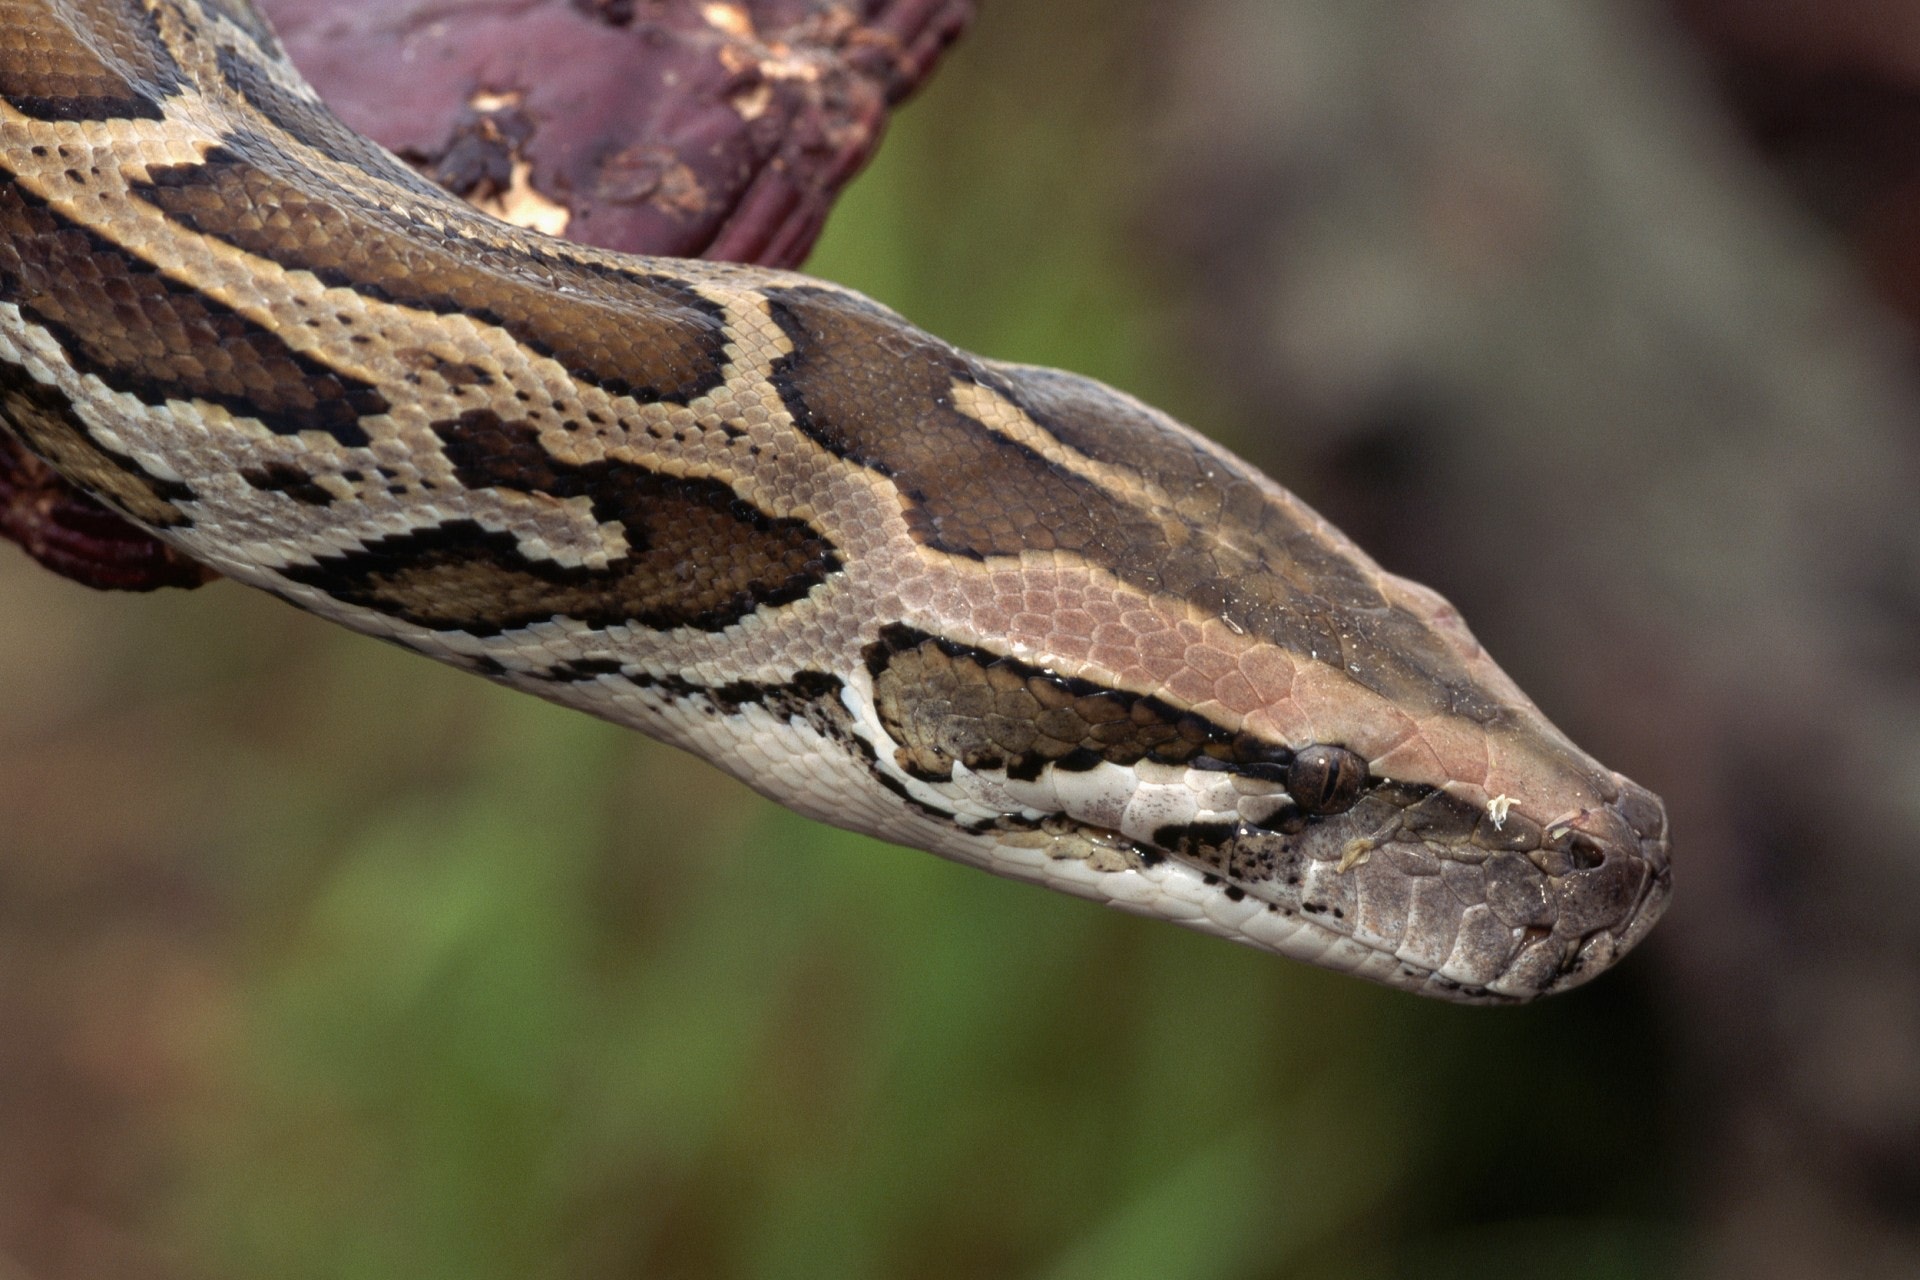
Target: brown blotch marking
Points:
(945, 702)
(1282, 580)
(697, 554)
(44, 419)
(455, 373)
(308, 122)
(157, 339)
(788, 699)
(283, 477)
(1204, 491)
(629, 333)
(582, 670)
(877, 391)
(109, 64)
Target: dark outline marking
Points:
(337, 417)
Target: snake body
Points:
(1002, 613)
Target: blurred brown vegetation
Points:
(1565, 347)
(323, 961)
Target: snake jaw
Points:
(1411, 886)
(1420, 889)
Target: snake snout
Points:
(1417, 887)
(1646, 818)
(1616, 889)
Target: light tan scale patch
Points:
(985, 405)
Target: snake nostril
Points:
(1641, 810)
(1585, 853)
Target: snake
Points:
(1001, 613)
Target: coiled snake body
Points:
(1002, 613)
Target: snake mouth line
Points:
(1411, 884)
(1461, 921)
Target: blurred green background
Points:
(323, 961)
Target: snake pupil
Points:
(1324, 780)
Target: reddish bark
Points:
(689, 129)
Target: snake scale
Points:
(1002, 613)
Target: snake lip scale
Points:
(1002, 613)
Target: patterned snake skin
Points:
(1002, 613)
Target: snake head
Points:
(1418, 886)
(1459, 846)
(1216, 709)
(1172, 654)
(1440, 835)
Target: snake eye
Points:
(1324, 780)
